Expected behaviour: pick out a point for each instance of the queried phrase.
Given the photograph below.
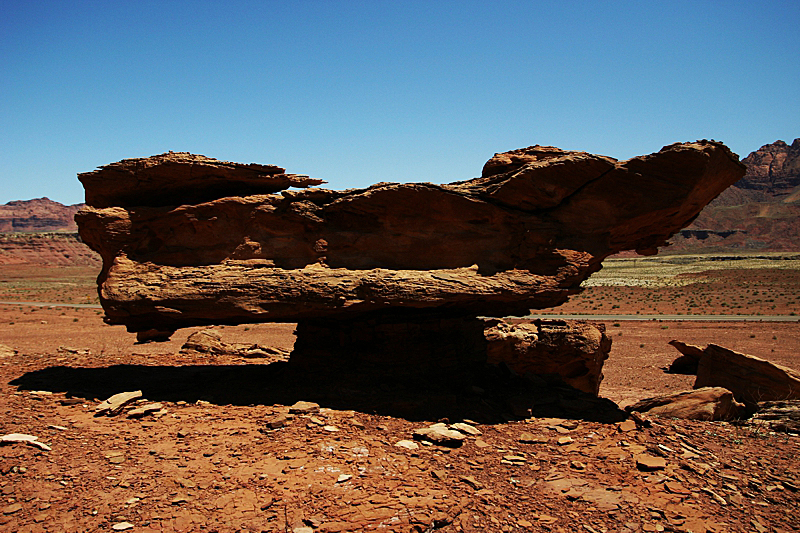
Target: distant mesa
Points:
(760, 212)
(42, 232)
(37, 215)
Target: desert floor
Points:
(209, 462)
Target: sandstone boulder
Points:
(750, 379)
(708, 403)
(7, 351)
(187, 240)
(205, 341)
(573, 350)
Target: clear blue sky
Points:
(361, 92)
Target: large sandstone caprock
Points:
(187, 240)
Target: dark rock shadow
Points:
(492, 396)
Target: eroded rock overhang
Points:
(188, 240)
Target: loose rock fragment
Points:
(7, 351)
(467, 429)
(708, 403)
(304, 408)
(11, 509)
(30, 440)
(113, 405)
(407, 444)
(276, 421)
(441, 435)
(650, 463)
(530, 438)
(472, 482)
(144, 410)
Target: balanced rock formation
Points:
(572, 350)
(187, 240)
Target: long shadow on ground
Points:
(491, 396)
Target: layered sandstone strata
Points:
(188, 240)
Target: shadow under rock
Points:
(491, 396)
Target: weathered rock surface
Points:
(573, 350)
(783, 415)
(209, 341)
(191, 241)
(708, 403)
(177, 178)
(688, 360)
(750, 378)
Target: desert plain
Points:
(225, 451)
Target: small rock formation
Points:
(707, 403)
(750, 378)
(573, 350)
(392, 276)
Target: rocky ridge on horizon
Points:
(38, 215)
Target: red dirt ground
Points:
(214, 465)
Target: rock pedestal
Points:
(391, 344)
(572, 350)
